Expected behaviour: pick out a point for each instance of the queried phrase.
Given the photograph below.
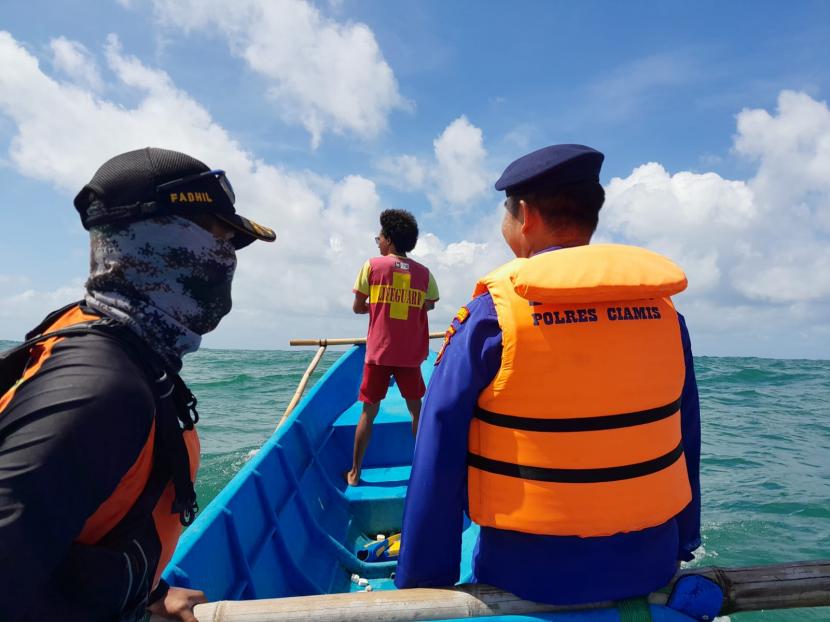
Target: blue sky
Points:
(712, 116)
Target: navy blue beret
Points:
(550, 168)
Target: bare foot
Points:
(352, 477)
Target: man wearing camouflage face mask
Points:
(98, 450)
(168, 278)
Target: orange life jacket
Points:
(579, 432)
(134, 483)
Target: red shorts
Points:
(376, 382)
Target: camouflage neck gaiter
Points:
(167, 278)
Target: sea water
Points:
(765, 467)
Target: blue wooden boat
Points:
(287, 525)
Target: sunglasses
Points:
(217, 174)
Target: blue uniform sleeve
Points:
(433, 512)
(688, 521)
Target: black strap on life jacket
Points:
(579, 424)
(576, 476)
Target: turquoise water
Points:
(765, 462)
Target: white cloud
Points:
(691, 217)
(458, 265)
(299, 286)
(323, 74)
(324, 227)
(74, 60)
(352, 217)
(24, 307)
(459, 153)
(64, 132)
(792, 149)
(457, 175)
(757, 251)
(758, 248)
(404, 172)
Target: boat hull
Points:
(288, 525)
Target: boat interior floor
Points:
(288, 524)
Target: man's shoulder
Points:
(476, 325)
(108, 363)
(390, 263)
(88, 382)
(385, 264)
(407, 263)
(482, 307)
(420, 264)
(478, 314)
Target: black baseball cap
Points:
(154, 182)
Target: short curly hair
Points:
(400, 227)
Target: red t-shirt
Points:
(397, 288)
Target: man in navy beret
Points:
(562, 420)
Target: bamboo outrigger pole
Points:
(340, 341)
(780, 586)
(321, 344)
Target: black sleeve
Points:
(160, 592)
(66, 439)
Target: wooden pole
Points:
(322, 344)
(342, 341)
(781, 586)
(301, 387)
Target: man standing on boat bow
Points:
(98, 450)
(563, 409)
(397, 292)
